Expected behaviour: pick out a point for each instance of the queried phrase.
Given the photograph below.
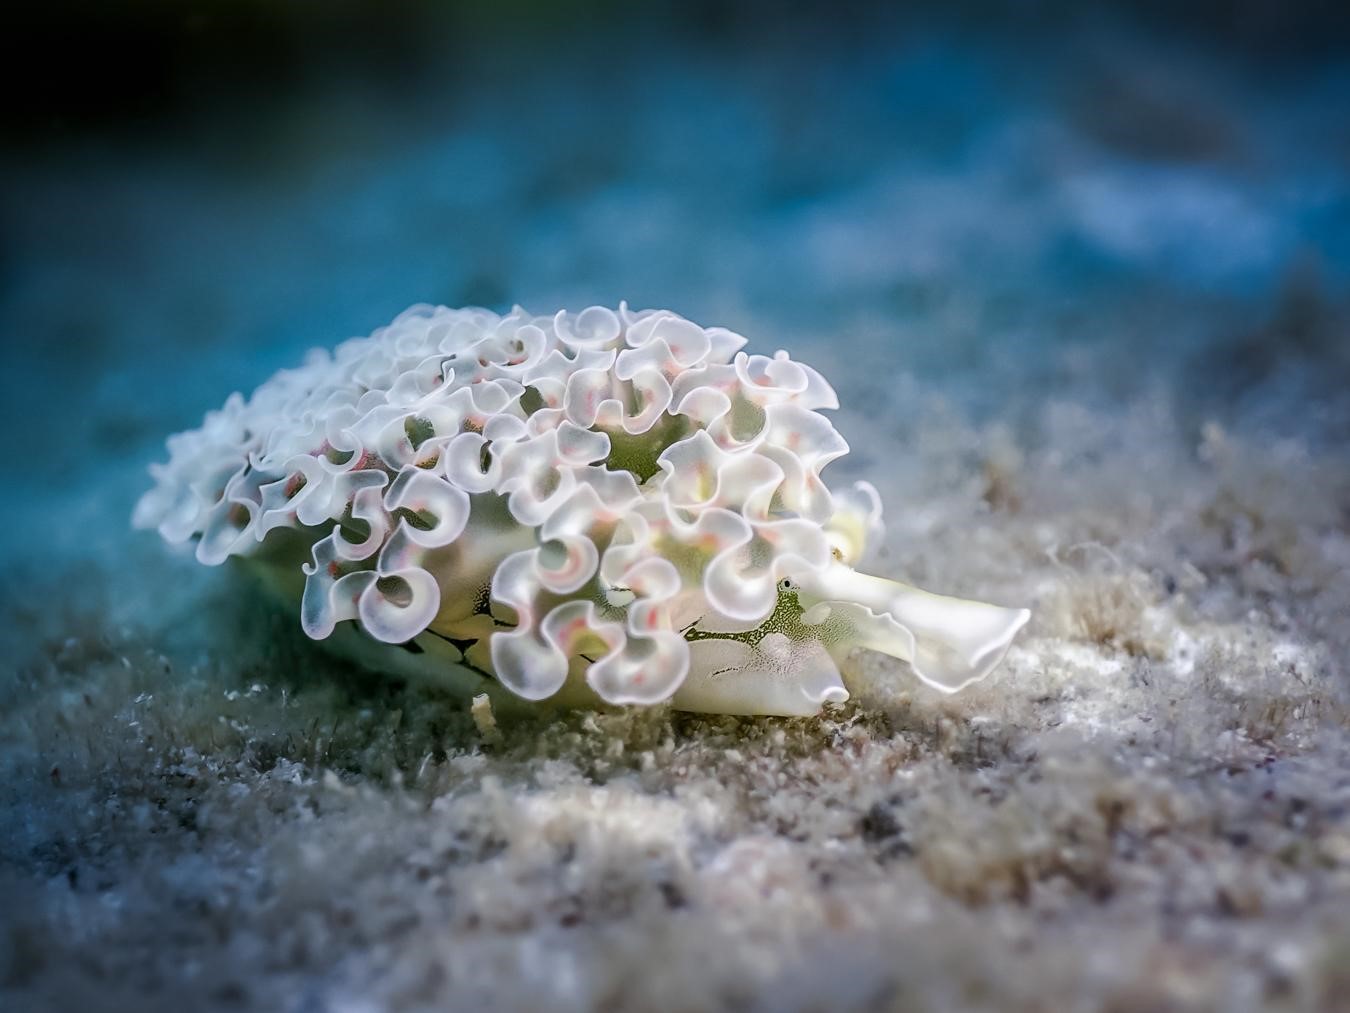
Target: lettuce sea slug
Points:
(617, 507)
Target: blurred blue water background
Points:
(998, 211)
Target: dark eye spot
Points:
(786, 584)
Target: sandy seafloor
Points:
(1084, 298)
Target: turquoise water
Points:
(992, 220)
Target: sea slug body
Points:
(608, 506)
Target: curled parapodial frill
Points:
(730, 400)
(634, 656)
(611, 500)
